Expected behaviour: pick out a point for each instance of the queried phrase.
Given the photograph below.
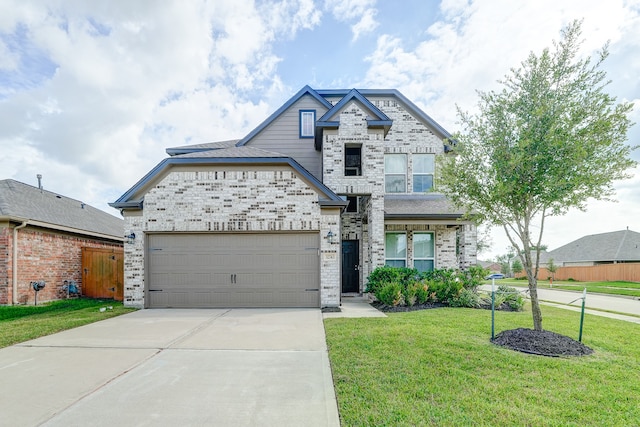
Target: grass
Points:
(438, 367)
(611, 288)
(23, 323)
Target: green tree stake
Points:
(584, 298)
(493, 308)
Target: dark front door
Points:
(350, 267)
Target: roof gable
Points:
(305, 91)
(243, 155)
(376, 116)
(410, 106)
(23, 202)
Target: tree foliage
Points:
(551, 139)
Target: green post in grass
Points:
(493, 308)
(584, 298)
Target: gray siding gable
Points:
(281, 134)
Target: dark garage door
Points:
(233, 270)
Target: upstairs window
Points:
(353, 160)
(395, 173)
(423, 167)
(307, 123)
(353, 204)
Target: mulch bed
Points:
(401, 309)
(544, 343)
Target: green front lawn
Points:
(438, 367)
(22, 323)
(611, 288)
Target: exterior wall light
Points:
(331, 238)
(130, 237)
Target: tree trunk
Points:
(535, 305)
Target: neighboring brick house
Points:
(299, 211)
(41, 239)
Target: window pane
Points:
(423, 245)
(423, 163)
(307, 119)
(353, 204)
(395, 263)
(395, 245)
(422, 183)
(395, 184)
(423, 265)
(395, 163)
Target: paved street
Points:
(596, 302)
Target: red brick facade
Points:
(46, 255)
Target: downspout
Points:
(14, 274)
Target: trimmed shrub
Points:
(445, 291)
(383, 275)
(390, 294)
(422, 292)
(473, 277)
(465, 298)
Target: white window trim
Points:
(413, 248)
(385, 248)
(406, 171)
(414, 174)
(307, 114)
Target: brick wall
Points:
(45, 255)
(409, 136)
(6, 255)
(222, 199)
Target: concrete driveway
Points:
(240, 367)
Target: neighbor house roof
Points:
(623, 245)
(23, 202)
(134, 197)
(419, 206)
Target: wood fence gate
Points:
(103, 273)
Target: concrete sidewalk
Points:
(355, 307)
(240, 367)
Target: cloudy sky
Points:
(91, 93)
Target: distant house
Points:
(606, 248)
(493, 267)
(41, 239)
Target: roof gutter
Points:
(14, 272)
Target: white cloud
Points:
(361, 11)
(126, 80)
(475, 43)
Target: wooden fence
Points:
(103, 273)
(625, 272)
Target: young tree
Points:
(552, 269)
(516, 266)
(548, 141)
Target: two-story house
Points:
(299, 211)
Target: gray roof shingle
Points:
(420, 206)
(23, 201)
(184, 149)
(243, 152)
(623, 245)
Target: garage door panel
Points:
(227, 270)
